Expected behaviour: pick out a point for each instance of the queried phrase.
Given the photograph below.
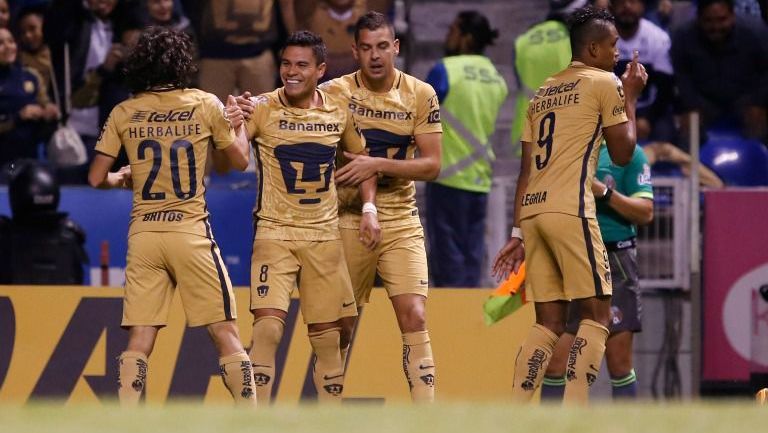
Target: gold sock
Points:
(237, 374)
(584, 361)
(419, 366)
(267, 333)
(132, 371)
(531, 362)
(327, 372)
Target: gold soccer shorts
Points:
(565, 258)
(400, 260)
(316, 268)
(158, 263)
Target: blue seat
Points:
(737, 160)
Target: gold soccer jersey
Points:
(389, 121)
(564, 126)
(167, 147)
(296, 154)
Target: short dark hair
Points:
(372, 20)
(584, 24)
(307, 39)
(477, 25)
(161, 57)
(703, 4)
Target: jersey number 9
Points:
(545, 141)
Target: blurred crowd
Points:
(60, 60)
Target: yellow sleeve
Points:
(352, 139)
(527, 134)
(610, 99)
(221, 130)
(427, 111)
(109, 141)
(260, 111)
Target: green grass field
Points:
(732, 417)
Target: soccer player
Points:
(624, 198)
(555, 208)
(296, 131)
(398, 114)
(166, 129)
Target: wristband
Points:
(516, 233)
(606, 195)
(369, 207)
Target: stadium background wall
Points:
(62, 342)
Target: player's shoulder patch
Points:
(260, 99)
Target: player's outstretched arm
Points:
(100, 177)
(511, 256)
(425, 166)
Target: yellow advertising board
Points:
(61, 342)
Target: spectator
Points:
(721, 66)
(39, 245)
(334, 21)
(24, 107)
(236, 39)
(91, 30)
(5, 14)
(654, 108)
(35, 54)
(164, 13)
(471, 92)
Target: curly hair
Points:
(586, 25)
(162, 57)
(307, 39)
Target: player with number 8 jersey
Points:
(296, 131)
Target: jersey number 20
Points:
(157, 160)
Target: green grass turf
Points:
(733, 417)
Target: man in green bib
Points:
(471, 92)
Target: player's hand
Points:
(234, 113)
(597, 187)
(634, 78)
(126, 177)
(509, 259)
(370, 232)
(245, 104)
(359, 168)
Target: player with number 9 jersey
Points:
(564, 123)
